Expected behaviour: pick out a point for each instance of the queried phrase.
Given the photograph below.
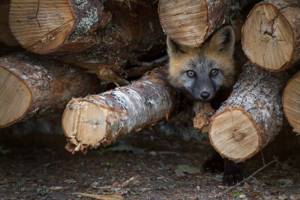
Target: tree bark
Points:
(251, 117)
(191, 22)
(291, 102)
(43, 26)
(6, 36)
(99, 120)
(133, 35)
(97, 31)
(271, 34)
(29, 85)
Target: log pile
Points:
(32, 85)
(121, 40)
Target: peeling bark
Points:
(99, 120)
(251, 117)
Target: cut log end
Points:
(39, 25)
(84, 121)
(291, 102)
(268, 38)
(15, 98)
(186, 21)
(233, 134)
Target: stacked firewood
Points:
(270, 37)
(121, 40)
(51, 49)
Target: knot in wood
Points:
(238, 135)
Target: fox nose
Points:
(205, 95)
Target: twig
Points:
(246, 179)
(100, 197)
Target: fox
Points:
(200, 73)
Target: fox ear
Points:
(223, 41)
(174, 48)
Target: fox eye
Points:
(190, 73)
(214, 72)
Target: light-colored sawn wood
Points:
(6, 36)
(29, 86)
(15, 97)
(190, 22)
(271, 34)
(291, 102)
(99, 120)
(46, 26)
(251, 117)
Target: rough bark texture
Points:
(30, 86)
(133, 34)
(291, 102)
(46, 26)
(271, 34)
(191, 22)
(100, 119)
(251, 117)
(6, 36)
(117, 32)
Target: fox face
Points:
(202, 72)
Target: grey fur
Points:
(203, 81)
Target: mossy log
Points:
(251, 117)
(29, 86)
(271, 34)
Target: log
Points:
(203, 112)
(291, 102)
(251, 117)
(132, 36)
(29, 85)
(96, 31)
(271, 34)
(99, 120)
(191, 22)
(46, 26)
(6, 36)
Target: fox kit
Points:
(202, 72)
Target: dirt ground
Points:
(145, 166)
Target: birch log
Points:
(191, 22)
(99, 120)
(271, 34)
(291, 102)
(251, 117)
(29, 86)
(46, 26)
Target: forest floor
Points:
(145, 166)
